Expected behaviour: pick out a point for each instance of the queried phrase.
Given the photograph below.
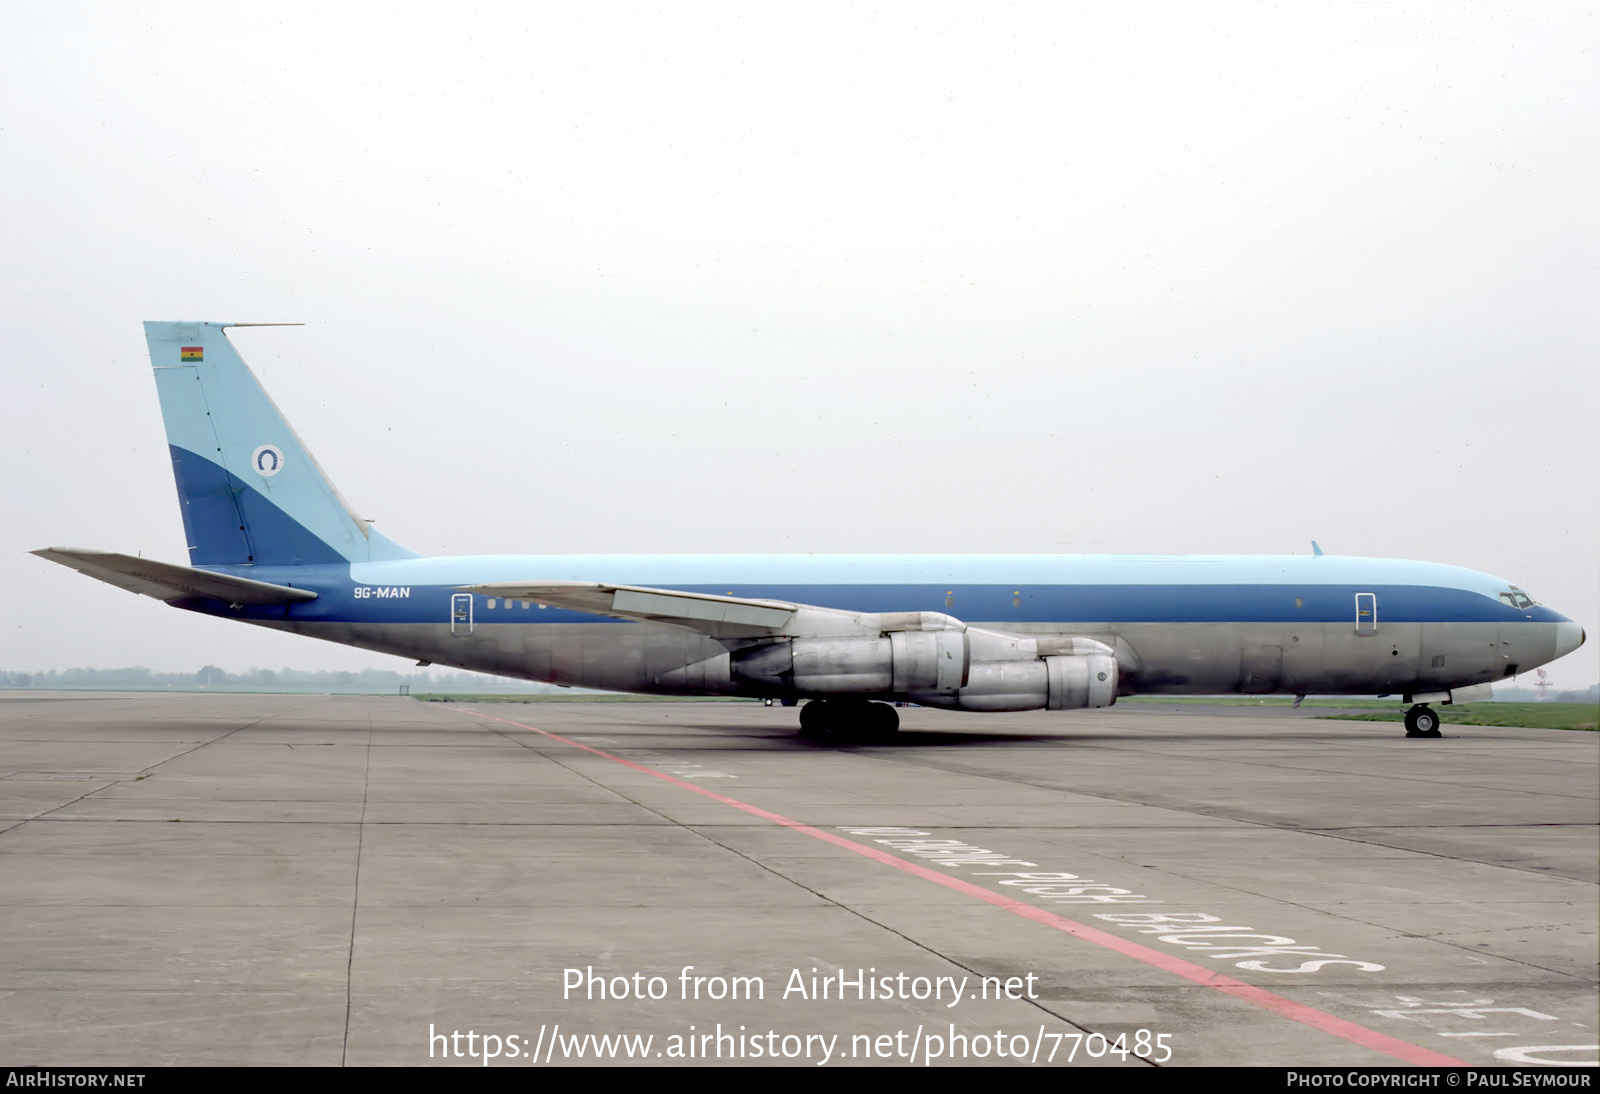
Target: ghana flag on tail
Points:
(192, 353)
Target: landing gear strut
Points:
(1422, 721)
(849, 721)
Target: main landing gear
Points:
(849, 721)
(1422, 721)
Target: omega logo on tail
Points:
(267, 460)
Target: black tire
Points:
(885, 722)
(813, 720)
(852, 723)
(848, 721)
(1422, 721)
(1428, 722)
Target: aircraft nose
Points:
(1569, 636)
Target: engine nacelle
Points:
(1077, 683)
(1047, 683)
(934, 662)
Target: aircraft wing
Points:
(745, 618)
(733, 617)
(719, 616)
(166, 581)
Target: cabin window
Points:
(1438, 660)
(1299, 601)
(491, 603)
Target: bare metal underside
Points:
(1153, 658)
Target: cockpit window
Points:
(1516, 598)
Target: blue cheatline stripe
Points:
(1042, 604)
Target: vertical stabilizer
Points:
(251, 492)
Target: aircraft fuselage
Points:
(1190, 625)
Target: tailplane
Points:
(250, 490)
(164, 581)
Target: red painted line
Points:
(1296, 1012)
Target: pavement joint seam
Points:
(1344, 1029)
(695, 830)
(142, 771)
(1330, 833)
(863, 916)
(955, 768)
(355, 897)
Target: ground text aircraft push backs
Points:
(271, 542)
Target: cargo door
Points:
(1260, 668)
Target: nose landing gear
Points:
(1422, 721)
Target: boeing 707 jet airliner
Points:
(271, 542)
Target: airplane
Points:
(273, 543)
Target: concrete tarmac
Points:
(269, 879)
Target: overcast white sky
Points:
(1169, 278)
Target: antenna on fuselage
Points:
(1316, 552)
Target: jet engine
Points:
(928, 662)
(1047, 683)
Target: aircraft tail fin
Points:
(251, 492)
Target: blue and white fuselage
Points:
(1180, 624)
(272, 543)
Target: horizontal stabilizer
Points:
(722, 615)
(165, 581)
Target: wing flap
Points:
(166, 581)
(715, 610)
(722, 616)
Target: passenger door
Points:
(461, 615)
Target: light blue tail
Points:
(251, 492)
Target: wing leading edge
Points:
(718, 616)
(728, 617)
(732, 617)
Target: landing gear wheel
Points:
(830, 720)
(1422, 721)
(814, 720)
(846, 721)
(883, 723)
